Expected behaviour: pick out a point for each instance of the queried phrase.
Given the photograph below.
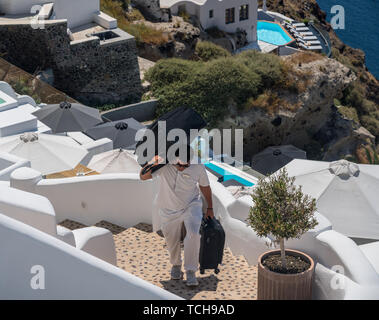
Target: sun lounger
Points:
(298, 24)
(301, 29)
(303, 34)
(308, 42)
(305, 37)
(307, 34)
(308, 38)
(313, 48)
(313, 43)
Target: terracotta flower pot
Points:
(278, 286)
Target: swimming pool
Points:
(273, 33)
(227, 175)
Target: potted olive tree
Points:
(282, 211)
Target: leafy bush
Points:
(206, 51)
(169, 71)
(210, 87)
(368, 111)
(268, 66)
(281, 210)
(371, 123)
(349, 112)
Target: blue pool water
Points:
(228, 175)
(272, 33)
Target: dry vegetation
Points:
(142, 32)
(304, 57)
(271, 103)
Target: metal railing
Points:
(325, 36)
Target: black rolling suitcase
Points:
(211, 245)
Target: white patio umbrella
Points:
(346, 193)
(272, 159)
(47, 153)
(115, 161)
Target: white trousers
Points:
(171, 225)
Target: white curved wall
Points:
(69, 273)
(122, 199)
(34, 210)
(9, 163)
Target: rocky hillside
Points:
(362, 94)
(290, 100)
(315, 124)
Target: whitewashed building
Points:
(77, 12)
(226, 15)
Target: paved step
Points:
(143, 253)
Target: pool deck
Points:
(261, 46)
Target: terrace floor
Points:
(143, 253)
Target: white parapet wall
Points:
(39, 266)
(122, 199)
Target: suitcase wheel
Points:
(201, 271)
(217, 270)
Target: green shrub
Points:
(212, 85)
(354, 97)
(169, 71)
(206, 51)
(349, 112)
(268, 66)
(208, 87)
(371, 123)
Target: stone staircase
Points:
(143, 253)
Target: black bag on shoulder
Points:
(211, 245)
